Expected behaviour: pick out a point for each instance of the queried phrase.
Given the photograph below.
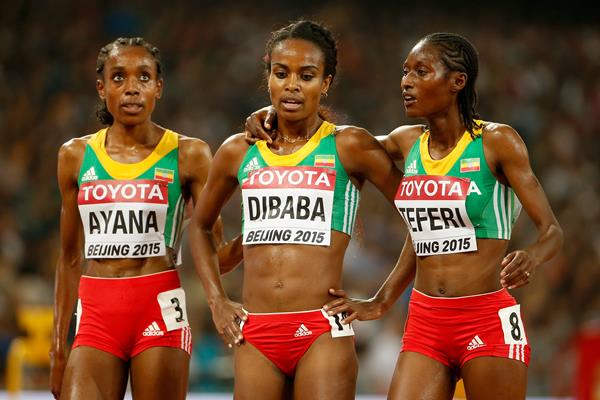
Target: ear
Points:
(159, 86)
(326, 84)
(458, 81)
(100, 89)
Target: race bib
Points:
(512, 325)
(123, 219)
(435, 213)
(172, 308)
(288, 205)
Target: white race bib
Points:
(434, 210)
(123, 218)
(288, 205)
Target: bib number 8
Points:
(512, 325)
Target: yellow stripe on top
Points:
(444, 165)
(118, 170)
(273, 159)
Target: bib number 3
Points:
(172, 307)
(512, 325)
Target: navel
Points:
(278, 285)
(441, 290)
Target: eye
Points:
(279, 74)
(144, 77)
(307, 77)
(421, 71)
(404, 71)
(117, 78)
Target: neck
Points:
(446, 130)
(146, 134)
(299, 130)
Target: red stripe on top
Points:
(123, 191)
(432, 187)
(300, 177)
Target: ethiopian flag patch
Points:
(325, 160)
(163, 174)
(469, 165)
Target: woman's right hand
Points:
(227, 317)
(58, 362)
(362, 310)
(259, 125)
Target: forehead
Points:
(423, 52)
(129, 56)
(297, 51)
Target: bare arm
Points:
(195, 163)
(370, 161)
(70, 261)
(220, 185)
(508, 154)
(375, 307)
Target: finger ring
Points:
(527, 273)
(229, 345)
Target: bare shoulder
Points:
(502, 138)
(234, 145)
(352, 136)
(193, 148)
(71, 152)
(405, 136)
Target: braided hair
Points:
(102, 113)
(458, 54)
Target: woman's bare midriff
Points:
(286, 277)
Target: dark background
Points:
(539, 73)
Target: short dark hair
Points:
(102, 113)
(458, 54)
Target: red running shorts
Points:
(125, 316)
(454, 330)
(284, 337)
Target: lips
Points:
(408, 99)
(132, 108)
(291, 104)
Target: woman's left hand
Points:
(517, 269)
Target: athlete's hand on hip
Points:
(259, 125)
(227, 317)
(517, 269)
(362, 310)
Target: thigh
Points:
(256, 377)
(94, 374)
(492, 378)
(327, 370)
(160, 373)
(420, 377)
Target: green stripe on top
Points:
(492, 207)
(166, 168)
(346, 196)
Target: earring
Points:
(324, 94)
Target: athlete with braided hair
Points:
(465, 182)
(300, 196)
(123, 192)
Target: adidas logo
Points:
(153, 330)
(475, 343)
(302, 331)
(89, 175)
(251, 166)
(412, 168)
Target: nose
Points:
(406, 82)
(291, 83)
(132, 87)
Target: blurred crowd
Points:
(541, 77)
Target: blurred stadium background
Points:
(540, 73)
